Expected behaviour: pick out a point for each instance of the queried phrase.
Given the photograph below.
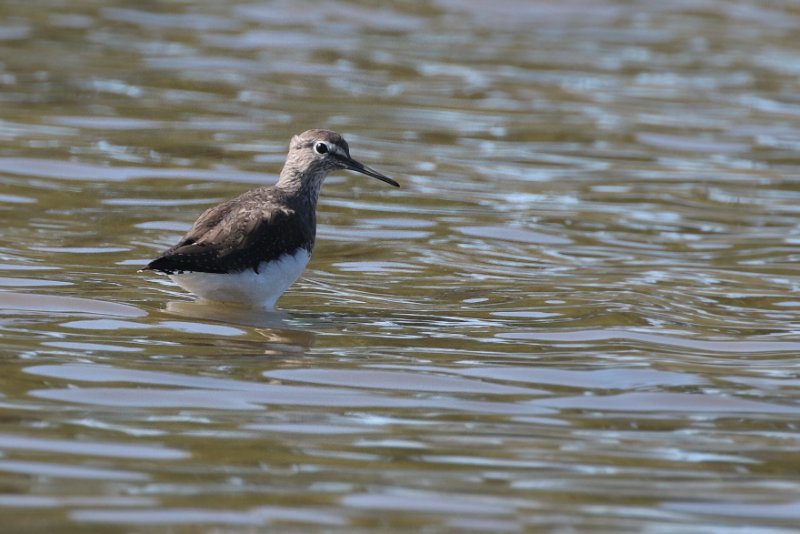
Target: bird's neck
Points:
(300, 186)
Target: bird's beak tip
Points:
(354, 165)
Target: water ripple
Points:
(578, 309)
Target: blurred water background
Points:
(580, 311)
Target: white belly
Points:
(248, 288)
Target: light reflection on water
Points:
(577, 311)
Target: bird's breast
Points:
(259, 288)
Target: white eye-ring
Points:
(321, 148)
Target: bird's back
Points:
(258, 226)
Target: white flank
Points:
(248, 288)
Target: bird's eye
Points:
(321, 148)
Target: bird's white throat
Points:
(248, 288)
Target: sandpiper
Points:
(250, 249)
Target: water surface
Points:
(578, 312)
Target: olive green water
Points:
(581, 311)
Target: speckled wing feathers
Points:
(238, 235)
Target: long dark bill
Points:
(353, 165)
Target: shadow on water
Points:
(217, 311)
(282, 333)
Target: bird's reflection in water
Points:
(284, 335)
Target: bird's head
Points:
(315, 153)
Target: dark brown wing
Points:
(236, 236)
